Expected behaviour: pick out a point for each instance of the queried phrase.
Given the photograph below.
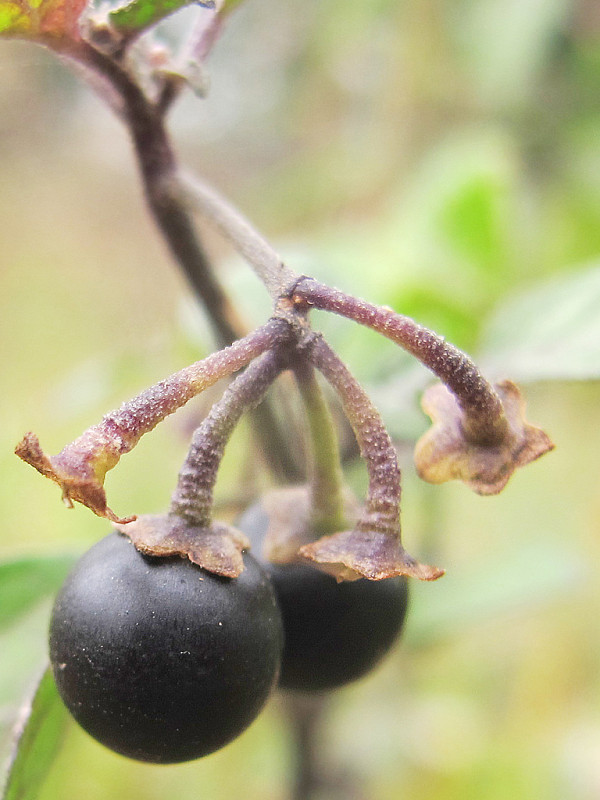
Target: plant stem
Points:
(373, 548)
(158, 168)
(204, 32)
(142, 413)
(383, 497)
(157, 165)
(325, 470)
(79, 469)
(485, 420)
(305, 713)
(193, 495)
(261, 256)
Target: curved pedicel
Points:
(79, 469)
(480, 434)
(188, 528)
(373, 549)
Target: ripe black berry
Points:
(334, 632)
(159, 659)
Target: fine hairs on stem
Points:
(193, 497)
(479, 432)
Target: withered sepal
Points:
(447, 452)
(350, 555)
(217, 549)
(73, 472)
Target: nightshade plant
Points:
(479, 433)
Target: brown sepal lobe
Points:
(354, 554)
(76, 479)
(217, 549)
(445, 452)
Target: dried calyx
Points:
(188, 529)
(479, 436)
(479, 433)
(449, 450)
(80, 468)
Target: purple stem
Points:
(485, 421)
(158, 167)
(383, 497)
(203, 35)
(120, 430)
(193, 496)
(257, 251)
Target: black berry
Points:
(158, 659)
(334, 632)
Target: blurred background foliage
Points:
(439, 156)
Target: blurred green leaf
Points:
(509, 42)
(472, 219)
(530, 576)
(25, 581)
(229, 5)
(140, 14)
(550, 332)
(38, 742)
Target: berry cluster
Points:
(168, 636)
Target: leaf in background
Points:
(38, 742)
(138, 15)
(486, 592)
(509, 44)
(41, 19)
(551, 332)
(229, 5)
(24, 582)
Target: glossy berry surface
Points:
(334, 632)
(158, 659)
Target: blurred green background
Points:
(442, 157)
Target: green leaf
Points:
(229, 5)
(140, 14)
(527, 578)
(41, 19)
(38, 742)
(24, 582)
(550, 332)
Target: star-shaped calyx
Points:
(449, 450)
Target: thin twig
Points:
(305, 714)
(157, 163)
(383, 496)
(327, 508)
(79, 469)
(373, 549)
(261, 256)
(193, 496)
(483, 407)
(188, 65)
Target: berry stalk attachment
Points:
(480, 434)
(325, 473)
(299, 515)
(373, 549)
(188, 528)
(80, 468)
